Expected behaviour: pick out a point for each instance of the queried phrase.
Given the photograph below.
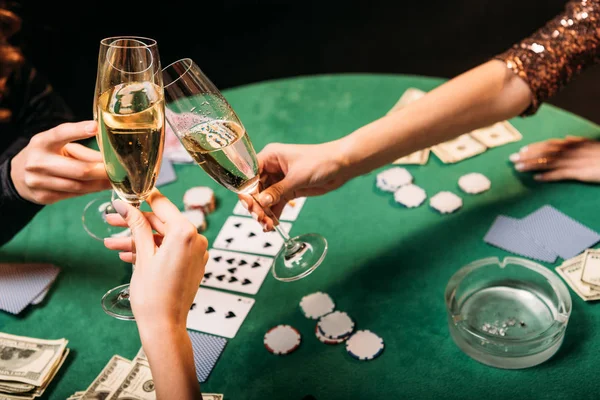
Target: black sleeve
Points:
(36, 108)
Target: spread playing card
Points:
(458, 149)
(246, 235)
(207, 350)
(497, 135)
(21, 284)
(237, 272)
(290, 211)
(166, 174)
(218, 313)
(419, 157)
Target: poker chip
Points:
(317, 304)
(445, 202)
(364, 345)
(410, 196)
(199, 198)
(326, 340)
(392, 179)
(474, 183)
(282, 339)
(336, 325)
(197, 218)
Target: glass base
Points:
(116, 303)
(299, 257)
(94, 221)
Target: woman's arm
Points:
(479, 97)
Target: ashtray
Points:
(507, 314)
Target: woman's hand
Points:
(169, 265)
(289, 171)
(573, 158)
(51, 168)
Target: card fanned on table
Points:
(465, 146)
(290, 211)
(24, 284)
(543, 235)
(218, 313)
(207, 350)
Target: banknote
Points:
(137, 385)
(212, 396)
(591, 268)
(109, 379)
(29, 360)
(571, 271)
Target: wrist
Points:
(347, 159)
(153, 330)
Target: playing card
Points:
(497, 135)
(290, 211)
(410, 95)
(237, 272)
(246, 235)
(558, 232)
(207, 350)
(458, 149)
(166, 174)
(505, 234)
(20, 284)
(40, 297)
(218, 313)
(419, 157)
(174, 150)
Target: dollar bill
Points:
(212, 396)
(29, 360)
(137, 385)
(40, 390)
(16, 397)
(571, 271)
(109, 379)
(141, 355)
(591, 268)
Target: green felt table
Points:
(387, 266)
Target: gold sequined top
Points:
(557, 52)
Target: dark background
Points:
(238, 42)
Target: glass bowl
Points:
(507, 314)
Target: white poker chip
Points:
(282, 339)
(392, 179)
(364, 345)
(317, 304)
(445, 202)
(326, 340)
(336, 325)
(410, 196)
(200, 197)
(474, 183)
(197, 218)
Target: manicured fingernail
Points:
(121, 207)
(514, 157)
(91, 127)
(538, 177)
(254, 215)
(520, 166)
(523, 149)
(244, 204)
(265, 199)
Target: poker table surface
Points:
(387, 266)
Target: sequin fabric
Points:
(555, 54)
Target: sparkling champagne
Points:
(223, 149)
(131, 132)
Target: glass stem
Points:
(124, 295)
(292, 246)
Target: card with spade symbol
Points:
(237, 272)
(218, 313)
(246, 235)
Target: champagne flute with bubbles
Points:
(129, 103)
(214, 136)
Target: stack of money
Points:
(28, 365)
(582, 274)
(124, 379)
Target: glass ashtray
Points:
(507, 314)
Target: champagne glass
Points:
(212, 133)
(130, 109)
(94, 217)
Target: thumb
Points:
(282, 190)
(141, 231)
